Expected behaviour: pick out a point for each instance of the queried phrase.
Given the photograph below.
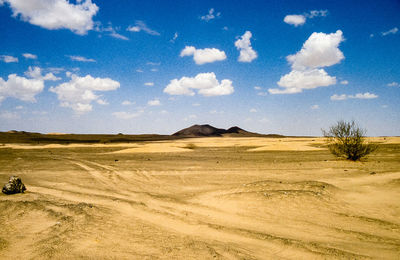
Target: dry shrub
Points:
(347, 139)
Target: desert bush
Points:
(191, 146)
(347, 139)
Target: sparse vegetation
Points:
(191, 146)
(347, 139)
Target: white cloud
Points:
(127, 115)
(139, 70)
(296, 81)
(141, 26)
(154, 70)
(393, 84)
(391, 31)
(8, 59)
(263, 120)
(29, 56)
(149, 84)
(206, 84)
(257, 88)
(247, 54)
(56, 14)
(320, 50)
(316, 13)
(339, 97)
(300, 19)
(112, 31)
(153, 63)
(119, 36)
(253, 110)
(79, 92)
(196, 104)
(163, 112)
(23, 88)
(344, 82)
(295, 19)
(80, 58)
(202, 56)
(154, 102)
(19, 107)
(210, 15)
(174, 37)
(263, 94)
(365, 95)
(102, 102)
(314, 107)
(127, 103)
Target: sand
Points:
(201, 198)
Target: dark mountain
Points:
(200, 130)
(208, 130)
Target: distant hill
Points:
(208, 130)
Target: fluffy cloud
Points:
(29, 56)
(320, 50)
(80, 58)
(210, 15)
(150, 84)
(56, 14)
(253, 110)
(206, 84)
(296, 81)
(141, 26)
(247, 54)
(295, 19)
(202, 56)
(24, 88)
(8, 59)
(300, 19)
(154, 102)
(79, 92)
(314, 107)
(344, 82)
(391, 31)
(365, 95)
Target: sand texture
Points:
(201, 198)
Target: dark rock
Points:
(13, 186)
(372, 173)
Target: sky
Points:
(134, 67)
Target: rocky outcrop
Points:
(13, 186)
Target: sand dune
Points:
(218, 201)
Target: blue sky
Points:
(288, 67)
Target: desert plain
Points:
(201, 198)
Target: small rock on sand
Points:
(13, 186)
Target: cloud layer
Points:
(365, 95)
(206, 84)
(79, 92)
(56, 14)
(247, 54)
(202, 56)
